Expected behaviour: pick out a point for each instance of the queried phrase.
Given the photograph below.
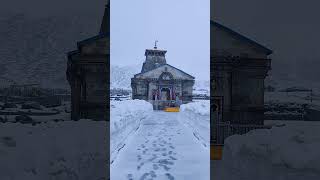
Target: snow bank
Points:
(69, 150)
(125, 119)
(196, 116)
(287, 153)
(198, 107)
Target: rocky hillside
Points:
(33, 49)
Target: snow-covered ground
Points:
(293, 97)
(292, 105)
(162, 148)
(290, 152)
(43, 115)
(126, 117)
(196, 116)
(67, 150)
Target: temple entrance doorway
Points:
(165, 94)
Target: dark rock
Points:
(9, 105)
(3, 120)
(31, 105)
(24, 119)
(50, 101)
(8, 141)
(57, 120)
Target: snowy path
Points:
(161, 149)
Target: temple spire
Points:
(105, 25)
(155, 44)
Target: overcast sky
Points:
(180, 26)
(52, 7)
(289, 27)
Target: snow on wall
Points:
(196, 116)
(287, 153)
(69, 150)
(125, 119)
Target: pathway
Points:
(162, 149)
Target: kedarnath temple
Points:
(88, 74)
(160, 83)
(238, 66)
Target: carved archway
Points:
(166, 76)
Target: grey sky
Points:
(52, 7)
(180, 26)
(289, 27)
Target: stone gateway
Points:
(160, 83)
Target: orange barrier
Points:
(172, 109)
(216, 152)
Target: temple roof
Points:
(241, 37)
(103, 33)
(168, 65)
(105, 25)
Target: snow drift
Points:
(289, 152)
(196, 116)
(125, 119)
(68, 150)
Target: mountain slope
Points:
(120, 77)
(33, 50)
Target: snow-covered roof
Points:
(168, 66)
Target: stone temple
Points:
(88, 74)
(239, 66)
(160, 83)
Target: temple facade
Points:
(160, 83)
(88, 75)
(238, 69)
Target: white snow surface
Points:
(196, 116)
(290, 152)
(125, 119)
(162, 148)
(69, 150)
(198, 107)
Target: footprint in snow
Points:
(153, 174)
(130, 177)
(169, 176)
(140, 165)
(139, 157)
(165, 167)
(155, 167)
(165, 162)
(144, 176)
